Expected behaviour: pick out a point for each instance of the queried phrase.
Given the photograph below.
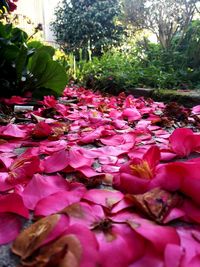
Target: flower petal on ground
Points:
(10, 226)
(13, 203)
(12, 131)
(40, 187)
(56, 162)
(58, 201)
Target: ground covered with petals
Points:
(101, 180)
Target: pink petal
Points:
(119, 124)
(75, 154)
(194, 261)
(152, 156)
(92, 136)
(150, 259)
(132, 114)
(118, 139)
(58, 230)
(58, 201)
(4, 185)
(15, 100)
(132, 184)
(89, 172)
(158, 235)
(5, 163)
(119, 249)
(41, 130)
(115, 151)
(110, 169)
(191, 210)
(189, 237)
(57, 162)
(173, 255)
(106, 198)
(181, 141)
(13, 203)
(12, 131)
(196, 110)
(108, 159)
(10, 226)
(113, 140)
(23, 168)
(40, 187)
(85, 214)
(9, 146)
(90, 254)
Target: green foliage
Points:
(115, 72)
(146, 65)
(90, 25)
(27, 66)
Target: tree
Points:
(165, 18)
(90, 25)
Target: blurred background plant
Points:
(111, 46)
(27, 66)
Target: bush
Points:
(145, 65)
(27, 66)
(115, 72)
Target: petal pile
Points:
(104, 181)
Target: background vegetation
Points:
(106, 45)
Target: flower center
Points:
(142, 170)
(104, 225)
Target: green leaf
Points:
(11, 52)
(46, 49)
(37, 64)
(21, 61)
(35, 44)
(54, 77)
(46, 72)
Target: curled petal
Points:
(35, 235)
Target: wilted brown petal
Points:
(64, 252)
(32, 237)
(156, 203)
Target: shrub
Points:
(27, 66)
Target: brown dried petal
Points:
(64, 252)
(156, 203)
(74, 210)
(31, 238)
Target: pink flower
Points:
(22, 169)
(136, 175)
